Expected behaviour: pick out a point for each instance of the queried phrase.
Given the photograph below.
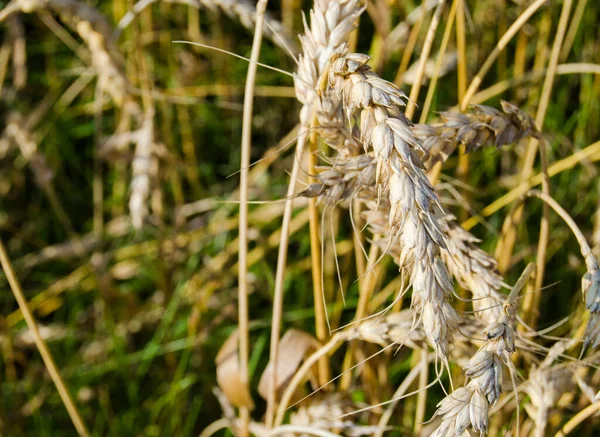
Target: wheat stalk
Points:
(331, 24)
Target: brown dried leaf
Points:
(294, 346)
(228, 374)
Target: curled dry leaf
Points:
(228, 374)
(294, 346)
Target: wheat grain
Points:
(469, 405)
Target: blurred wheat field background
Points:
(432, 271)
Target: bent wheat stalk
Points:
(590, 282)
(63, 391)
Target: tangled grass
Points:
(368, 275)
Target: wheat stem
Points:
(506, 245)
(463, 159)
(591, 152)
(41, 345)
(461, 48)
(531, 304)
(577, 419)
(243, 316)
(572, 32)
(410, 47)
(438, 63)
(366, 287)
(501, 45)
(416, 87)
(315, 259)
(279, 277)
(422, 396)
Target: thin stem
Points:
(461, 48)
(279, 276)
(315, 253)
(463, 159)
(577, 419)
(416, 87)
(243, 226)
(422, 396)
(410, 47)
(531, 308)
(575, 22)
(39, 342)
(506, 246)
(366, 286)
(333, 343)
(501, 45)
(438, 63)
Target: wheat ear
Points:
(468, 406)
(482, 126)
(352, 177)
(374, 105)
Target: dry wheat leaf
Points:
(294, 346)
(228, 373)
